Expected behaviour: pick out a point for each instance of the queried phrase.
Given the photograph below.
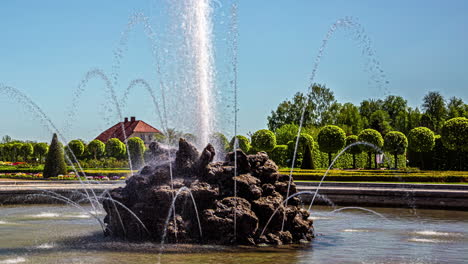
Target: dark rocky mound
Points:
(260, 191)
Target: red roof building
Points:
(132, 128)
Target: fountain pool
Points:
(61, 234)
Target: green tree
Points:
(289, 112)
(421, 139)
(354, 150)
(331, 139)
(373, 137)
(55, 161)
(16, 150)
(96, 148)
(414, 119)
(350, 119)
(396, 143)
(380, 121)
(77, 147)
(242, 142)
(286, 133)
(456, 108)
(368, 107)
(115, 148)
(455, 134)
(317, 103)
(26, 150)
(263, 140)
(6, 139)
(434, 107)
(136, 148)
(394, 105)
(40, 150)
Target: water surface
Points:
(61, 234)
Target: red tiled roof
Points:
(130, 127)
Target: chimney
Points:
(126, 120)
(132, 119)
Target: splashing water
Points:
(371, 63)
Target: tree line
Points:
(389, 114)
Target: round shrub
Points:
(396, 143)
(243, 143)
(279, 155)
(455, 134)
(286, 133)
(263, 140)
(96, 148)
(373, 137)
(331, 139)
(115, 148)
(77, 147)
(421, 139)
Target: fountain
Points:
(223, 217)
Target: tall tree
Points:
(289, 112)
(55, 161)
(317, 102)
(380, 121)
(434, 108)
(456, 108)
(394, 105)
(349, 119)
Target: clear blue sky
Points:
(47, 46)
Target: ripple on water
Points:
(356, 230)
(13, 260)
(46, 215)
(425, 240)
(436, 233)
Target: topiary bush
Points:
(304, 140)
(55, 161)
(455, 134)
(279, 155)
(96, 148)
(286, 133)
(115, 148)
(263, 140)
(331, 139)
(136, 148)
(77, 147)
(395, 143)
(354, 150)
(243, 143)
(421, 140)
(373, 137)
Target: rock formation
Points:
(260, 191)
